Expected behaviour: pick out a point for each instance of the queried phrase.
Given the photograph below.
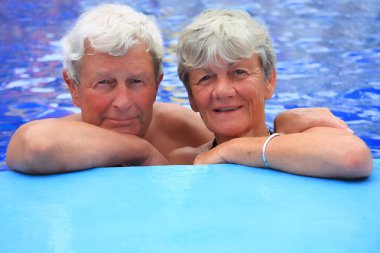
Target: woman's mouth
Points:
(227, 109)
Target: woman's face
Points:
(230, 97)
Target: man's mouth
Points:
(118, 122)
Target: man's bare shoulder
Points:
(51, 121)
(173, 111)
(169, 116)
(179, 123)
(72, 117)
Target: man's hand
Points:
(154, 157)
(300, 119)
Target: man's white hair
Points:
(111, 29)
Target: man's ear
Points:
(73, 87)
(158, 81)
(271, 84)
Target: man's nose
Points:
(122, 97)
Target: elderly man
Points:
(113, 67)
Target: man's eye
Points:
(104, 82)
(104, 85)
(136, 83)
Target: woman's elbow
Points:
(358, 162)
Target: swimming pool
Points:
(328, 55)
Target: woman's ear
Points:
(271, 84)
(193, 105)
(73, 87)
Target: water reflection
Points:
(328, 55)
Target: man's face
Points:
(117, 92)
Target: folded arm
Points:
(60, 145)
(300, 119)
(319, 152)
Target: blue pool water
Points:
(328, 55)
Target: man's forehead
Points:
(116, 51)
(104, 65)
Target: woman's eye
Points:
(204, 79)
(239, 72)
(200, 77)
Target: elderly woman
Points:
(227, 64)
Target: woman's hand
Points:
(244, 151)
(300, 119)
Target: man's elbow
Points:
(25, 152)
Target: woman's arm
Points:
(61, 145)
(300, 119)
(318, 152)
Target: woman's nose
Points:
(223, 87)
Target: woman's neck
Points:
(264, 131)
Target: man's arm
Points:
(318, 152)
(61, 145)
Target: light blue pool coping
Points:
(211, 208)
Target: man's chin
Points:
(126, 130)
(132, 126)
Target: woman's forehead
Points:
(220, 63)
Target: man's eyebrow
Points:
(140, 74)
(102, 73)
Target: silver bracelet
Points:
(264, 148)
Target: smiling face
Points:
(117, 92)
(231, 98)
